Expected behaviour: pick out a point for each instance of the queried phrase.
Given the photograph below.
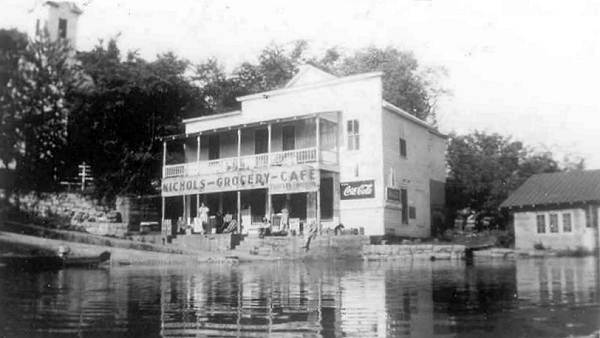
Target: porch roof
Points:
(242, 125)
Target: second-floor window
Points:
(353, 135)
(402, 148)
(62, 28)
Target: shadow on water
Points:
(544, 298)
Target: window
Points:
(566, 220)
(288, 136)
(353, 135)
(412, 212)
(404, 202)
(402, 148)
(541, 224)
(591, 216)
(553, 222)
(62, 28)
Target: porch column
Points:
(239, 144)
(317, 128)
(164, 157)
(162, 207)
(318, 215)
(239, 211)
(268, 213)
(198, 162)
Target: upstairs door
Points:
(213, 147)
(288, 135)
(261, 141)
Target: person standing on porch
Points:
(285, 220)
(203, 212)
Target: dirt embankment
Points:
(32, 239)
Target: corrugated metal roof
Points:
(563, 187)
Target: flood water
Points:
(556, 297)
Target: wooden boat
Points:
(28, 262)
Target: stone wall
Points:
(212, 242)
(74, 211)
(293, 247)
(413, 251)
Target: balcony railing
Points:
(282, 158)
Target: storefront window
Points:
(541, 224)
(553, 223)
(566, 218)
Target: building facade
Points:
(59, 19)
(557, 211)
(326, 149)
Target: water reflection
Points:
(557, 297)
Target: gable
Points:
(309, 75)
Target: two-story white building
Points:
(328, 149)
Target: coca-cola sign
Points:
(357, 189)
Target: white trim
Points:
(283, 91)
(212, 117)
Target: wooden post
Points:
(269, 211)
(318, 215)
(239, 193)
(198, 168)
(162, 214)
(269, 145)
(317, 128)
(164, 157)
(239, 211)
(162, 207)
(239, 146)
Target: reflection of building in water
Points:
(249, 301)
(565, 280)
(363, 304)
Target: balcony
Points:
(250, 162)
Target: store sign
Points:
(357, 190)
(278, 180)
(393, 194)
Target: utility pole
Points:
(85, 172)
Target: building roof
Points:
(556, 188)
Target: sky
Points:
(522, 68)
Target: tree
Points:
(12, 48)
(486, 168)
(116, 125)
(405, 83)
(35, 113)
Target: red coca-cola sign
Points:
(357, 189)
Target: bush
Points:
(539, 246)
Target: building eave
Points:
(283, 91)
(212, 117)
(406, 115)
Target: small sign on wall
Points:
(393, 194)
(357, 190)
